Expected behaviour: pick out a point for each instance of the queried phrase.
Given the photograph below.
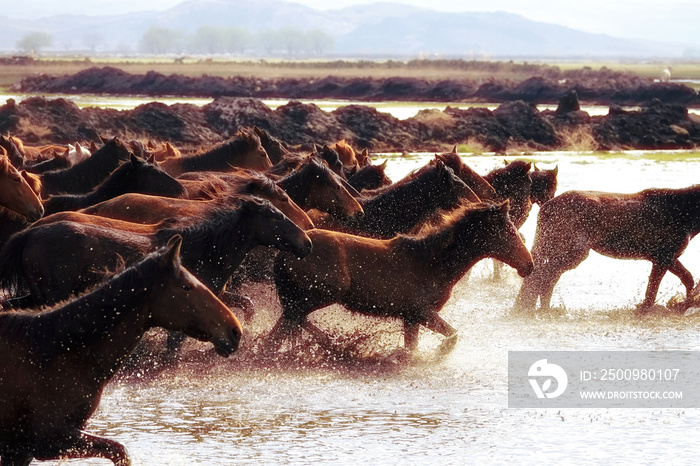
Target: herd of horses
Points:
(96, 249)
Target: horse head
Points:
(183, 303)
(17, 194)
(272, 228)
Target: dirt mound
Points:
(514, 125)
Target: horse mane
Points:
(243, 141)
(87, 174)
(499, 176)
(210, 231)
(429, 243)
(299, 180)
(84, 319)
(62, 202)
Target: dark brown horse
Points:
(544, 185)
(408, 277)
(242, 151)
(141, 208)
(513, 182)
(276, 150)
(370, 177)
(313, 185)
(476, 182)
(56, 363)
(654, 225)
(134, 176)
(404, 205)
(214, 246)
(86, 175)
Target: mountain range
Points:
(377, 30)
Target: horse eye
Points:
(187, 287)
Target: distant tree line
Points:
(236, 40)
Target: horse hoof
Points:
(400, 356)
(447, 345)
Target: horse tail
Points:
(12, 277)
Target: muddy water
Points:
(356, 402)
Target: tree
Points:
(92, 40)
(320, 41)
(33, 42)
(161, 40)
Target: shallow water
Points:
(400, 110)
(360, 404)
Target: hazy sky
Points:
(673, 20)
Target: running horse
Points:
(16, 194)
(55, 363)
(242, 151)
(135, 175)
(654, 225)
(407, 277)
(214, 246)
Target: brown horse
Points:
(404, 205)
(56, 363)
(544, 185)
(370, 177)
(409, 277)
(476, 182)
(86, 175)
(135, 175)
(16, 194)
(313, 185)
(243, 151)
(214, 246)
(655, 225)
(163, 152)
(513, 182)
(140, 208)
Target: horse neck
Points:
(214, 252)
(222, 157)
(83, 177)
(685, 208)
(451, 251)
(402, 204)
(295, 187)
(105, 326)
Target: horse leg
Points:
(92, 446)
(439, 325)
(657, 274)
(15, 459)
(282, 330)
(244, 303)
(685, 276)
(497, 270)
(410, 335)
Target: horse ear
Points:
(172, 254)
(556, 170)
(505, 162)
(152, 159)
(383, 164)
(504, 206)
(133, 159)
(454, 149)
(534, 167)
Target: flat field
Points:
(426, 69)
